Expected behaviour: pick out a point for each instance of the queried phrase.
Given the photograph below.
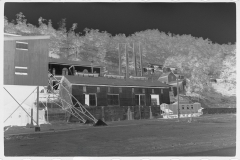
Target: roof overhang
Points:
(13, 38)
(72, 63)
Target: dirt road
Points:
(207, 136)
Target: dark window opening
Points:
(92, 99)
(152, 90)
(113, 99)
(84, 89)
(139, 100)
(55, 85)
(22, 45)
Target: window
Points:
(84, 89)
(182, 107)
(109, 89)
(187, 107)
(21, 45)
(152, 90)
(120, 90)
(113, 99)
(191, 107)
(54, 71)
(140, 99)
(155, 99)
(90, 99)
(98, 89)
(64, 71)
(132, 90)
(143, 90)
(161, 91)
(55, 85)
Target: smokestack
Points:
(141, 69)
(134, 61)
(126, 53)
(120, 61)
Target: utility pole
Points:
(126, 53)
(140, 60)
(178, 99)
(120, 61)
(135, 60)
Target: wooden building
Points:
(26, 60)
(167, 78)
(102, 91)
(171, 79)
(59, 67)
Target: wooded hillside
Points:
(196, 58)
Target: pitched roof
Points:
(68, 62)
(165, 74)
(113, 82)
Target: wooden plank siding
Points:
(126, 97)
(35, 58)
(9, 52)
(22, 59)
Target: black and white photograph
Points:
(119, 79)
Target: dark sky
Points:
(215, 21)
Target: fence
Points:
(219, 110)
(109, 113)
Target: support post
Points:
(47, 108)
(31, 117)
(37, 105)
(37, 128)
(140, 112)
(150, 112)
(103, 113)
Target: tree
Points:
(229, 70)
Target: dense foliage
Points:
(197, 59)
